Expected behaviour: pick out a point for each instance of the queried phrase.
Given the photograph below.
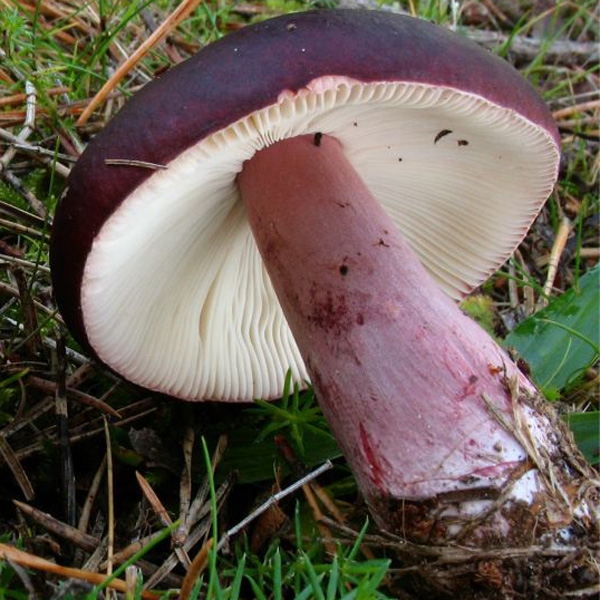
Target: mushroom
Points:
(314, 193)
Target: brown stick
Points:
(162, 514)
(178, 15)
(61, 409)
(34, 562)
(17, 469)
(563, 51)
(576, 108)
(82, 540)
(31, 330)
(195, 571)
(73, 394)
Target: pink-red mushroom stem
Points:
(399, 370)
(448, 440)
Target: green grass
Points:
(77, 52)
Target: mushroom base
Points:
(428, 410)
(490, 544)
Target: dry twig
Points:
(11, 459)
(34, 562)
(162, 514)
(172, 21)
(63, 530)
(558, 247)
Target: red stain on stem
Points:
(470, 388)
(375, 467)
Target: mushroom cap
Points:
(156, 271)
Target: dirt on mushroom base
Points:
(542, 549)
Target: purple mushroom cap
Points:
(155, 269)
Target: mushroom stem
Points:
(423, 403)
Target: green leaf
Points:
(585, 427)
(254, 459)
(258, 593)
(481, 308)
(334, 577)
(562, 340)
